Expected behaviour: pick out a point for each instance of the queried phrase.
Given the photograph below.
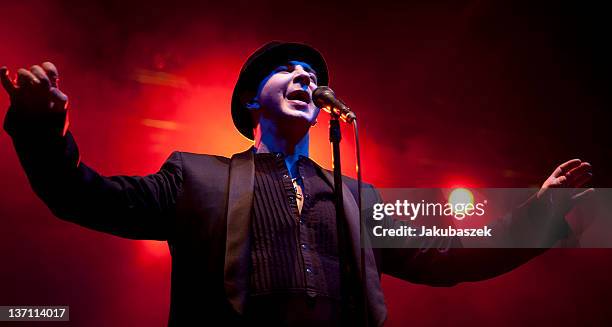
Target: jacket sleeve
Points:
(449, 265)
(135, 207)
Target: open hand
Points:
(569, 176)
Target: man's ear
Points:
(252, 105)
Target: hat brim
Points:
(259, 65)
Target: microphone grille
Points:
(322, 91)
(321, 94)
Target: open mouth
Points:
(299, 95)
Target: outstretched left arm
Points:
(453, 265)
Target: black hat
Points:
(259, 65)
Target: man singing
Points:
(252, 237)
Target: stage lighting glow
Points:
(460, 196)
(153, 250)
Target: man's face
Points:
(285, 96)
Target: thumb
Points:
(583, 195)
(6, 81)
(60, 100)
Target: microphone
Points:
(324, 98)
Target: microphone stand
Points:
(348, 280)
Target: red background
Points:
(469, 93)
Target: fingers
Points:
(575, 177)
(35, 90)
(582, 180)
(51, 72)
(39, 73)
(565, 167)
(41, 76)
(579, 175)
(6, 81)
(26, 79)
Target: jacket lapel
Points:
(376, 302)
(239, 205)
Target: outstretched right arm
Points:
(127, 206)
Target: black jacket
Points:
(201, 205)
